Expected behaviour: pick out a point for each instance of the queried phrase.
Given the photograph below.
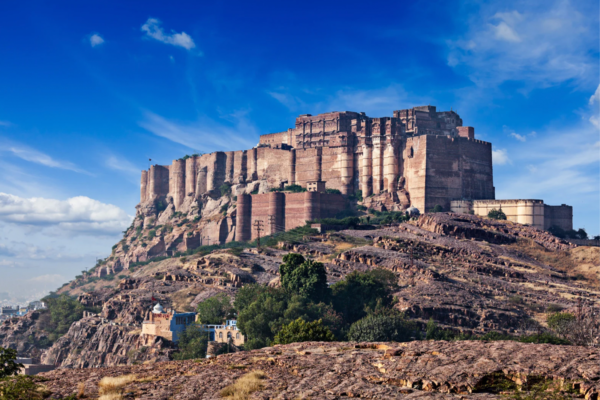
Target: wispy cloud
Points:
(32, 155)
(154, 30)
(595, 98)
(96, 40)
(77, 214)
(121, 164)
(538, 43)
(206, 134)
(374, 102)
(5, 123)
(520, 138)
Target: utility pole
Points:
(272, 223)
(258, 225)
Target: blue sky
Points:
(89, 92)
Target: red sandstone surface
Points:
(428, 369)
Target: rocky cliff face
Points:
(91, 342)
(467, 273)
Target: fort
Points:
(418, 157)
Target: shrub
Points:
(332, 191)
(496, 214)
(302, 331)
(151, 234)
(225, 189)
(557, 231)
(516, 300)
(437, 209)
(554, 308)
(561, 322)
(382, 327)
(21, 387)
(294, 188)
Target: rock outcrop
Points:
(468, 369)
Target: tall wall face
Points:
(427, 154)
(561, 216)
(276, 212)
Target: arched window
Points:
(411, 152)
(220, 335)
(237, 335)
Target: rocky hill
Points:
(431, 369)
(469, 274)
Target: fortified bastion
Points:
(419, 157)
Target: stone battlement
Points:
(419, 154)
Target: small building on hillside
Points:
(225, 333)
(167, 324)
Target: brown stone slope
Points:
(422, 369)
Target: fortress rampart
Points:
(523, 211)
(421, 155)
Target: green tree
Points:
(260, 320)
(304, 277)
(8, 362)
(192, 343)
(302, 331)
(361, 291)
(383, 327)
(215, 310)
(248, 294)
(496, 214)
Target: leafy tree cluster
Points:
(225, 189)
(193, 343)
(290, 188)
(62, 311)
(497, 214)
(268, 314)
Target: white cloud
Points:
(595, 97)
(77, 214)
(155, 31)
(500, 157)
(96, 40)
(520, 138)
(206, 135)
(5, 123)
(28, 154)
(538, 43)
(505, 32)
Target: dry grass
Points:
(111, 387)
(81, 389)
(244, 386)
(111, 396)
